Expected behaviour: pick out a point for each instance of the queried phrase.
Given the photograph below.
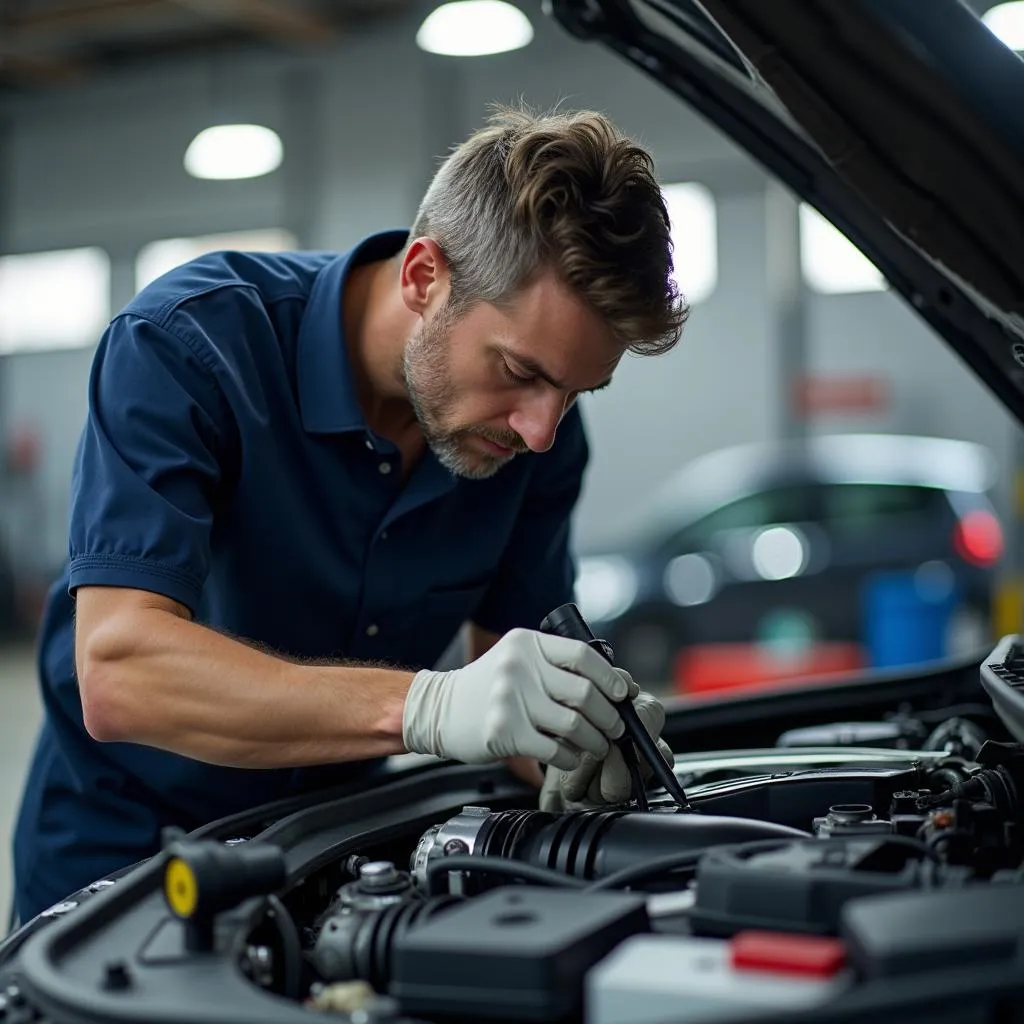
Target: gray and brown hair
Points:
(564, 192)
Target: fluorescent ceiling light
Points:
(231, 151)
(474, 28)
(1006, 22)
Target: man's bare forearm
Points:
(150, 676)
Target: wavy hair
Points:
(561, 192)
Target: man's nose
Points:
(536, 420)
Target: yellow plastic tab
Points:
(180, 887)
(1008, 607)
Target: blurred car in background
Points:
(799, 556)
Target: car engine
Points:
(752, 904)
(851, 868)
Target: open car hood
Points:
(900, 121)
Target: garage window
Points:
(692, 215)
(158, 257)
(831, 263)
(53, 300)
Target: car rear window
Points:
(786, 504)
(866, 506)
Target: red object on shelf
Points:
(706, 670)
(785, 953)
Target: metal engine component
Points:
(379, 885)
(456, 835)
(851, 820)
(257, 964)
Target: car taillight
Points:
(979, 539)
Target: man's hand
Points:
(531, 695)
(600, 781)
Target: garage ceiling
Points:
(57, 43)
(53, 43)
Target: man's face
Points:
(493, 383)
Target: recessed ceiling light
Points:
(231, 151)
(474, 28)
(1006, 22)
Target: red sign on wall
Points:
(818, 396)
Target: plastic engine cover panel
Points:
(517, 953)
(917, 932)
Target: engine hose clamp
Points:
(461, 831)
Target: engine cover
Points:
(803, 886)
(517, 954)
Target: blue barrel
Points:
(907, 615)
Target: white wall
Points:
(931, 390)
(364, 126)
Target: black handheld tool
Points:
(566, 620)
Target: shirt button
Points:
(385, 467)
(384, 535)
(373, 629)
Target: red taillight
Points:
(979, 539)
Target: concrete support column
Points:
(786, 303)
(305, 160)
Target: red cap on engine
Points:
(785, 953)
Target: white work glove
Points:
(530, 695)
(600, 781)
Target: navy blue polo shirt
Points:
(226, 463)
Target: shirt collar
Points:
(326, 383)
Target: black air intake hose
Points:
(357, 946)
(1000, 782)
(595, 845)
(589, 844)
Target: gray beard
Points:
(424, 372)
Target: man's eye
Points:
(512, 377)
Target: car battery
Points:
(649, 979)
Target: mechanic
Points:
(302, 473)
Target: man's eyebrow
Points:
(531, 366)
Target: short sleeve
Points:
(149, 464)
(537, 571)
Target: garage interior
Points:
(793, 334)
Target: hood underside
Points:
(900, 121)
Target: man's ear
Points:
(425, 279)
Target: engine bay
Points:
(625, 916)
(851, 867)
